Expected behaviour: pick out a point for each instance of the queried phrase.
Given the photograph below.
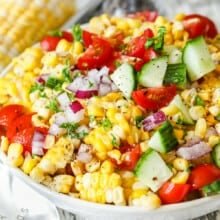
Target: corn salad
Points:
(87, 116)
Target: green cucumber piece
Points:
(211, 189)
(152, 73)
(173, 53)
(124, 79)
(163, 140)
(197, 58)
(151, 170)
(216, 155)
(176, 74)
(177, 101)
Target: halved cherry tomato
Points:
(173, 193)
(145, 15)
(154, 98)
(20, 123)
(9, 113)
(112, 63)
(49, 43)
(203, 175)
(149, 54)
(197, 25)
(96, 55)
(136, 47)
(88, 38)
(25, 138)
(131, 155)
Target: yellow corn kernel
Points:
(151, 201)
(122, 25)
(95, 110)
(118, 197)
(180, 177)
(37, 174)
(77, 167)
(107, 167)
(214, 110)
(36, 120)
(217, 127)
(137, 193)
(15, 149)
(77, 48)
(114, 180)
(104, 179)
(180, 164)
(49, 141)
(63, 183)
(111, 113)
(179, 17)
(99, 146)
(128, 179)
(115, 154)
(29, 164)
(78, 182)
(4, 144)
(50, 59)
(213, 140)
(197, 112)
(201, 128)
(95, 179)
(63, 46)
(160, 21)
(93, 165)
(101, 155)
(179, 133)
(211, 120)
(170, 110)
(100, 196)
(144, 146)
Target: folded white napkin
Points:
(19, 201)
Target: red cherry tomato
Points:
(96, 55)
(197, 25)
(136, 47)
(88, 38)
(173, 193)
(149, 54)
(154, 98)
(203, 175)
(25, 138)
(9, 113)
(67, 36)
(20, 123)
(145, 15)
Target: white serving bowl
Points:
(90, 211)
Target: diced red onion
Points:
(63, 100)
(104, 71)
(114, 87)
(89, 84)
(76, 84)
(37, 147)
(39, 137)
(84, 148)
(106, 80)
(104, 89)
(76, 106)
(60, 118)
(56, 130)
(74, 117)
(84, 157)
(85, 94)
(43, 78)
(93, 74)
(153, 120)
(194, 140)
(195, 151)
(210, 132)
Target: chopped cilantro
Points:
(81, 135)
(54, 83)
(106, 124)
(199, 101)
(114, 141)
(77, 32)
(56, 33)
(66, 72)
(53, 105)
(90, 84)
(158, 41)
(36, 87)
(218, 117)
(138, 121)
(91, 118)
(70, 128)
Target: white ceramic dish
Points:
(90, 211)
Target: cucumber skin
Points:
(194, 41)
(211, 189)
(216, 155)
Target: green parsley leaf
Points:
(138, 121)
(82, 134)
(66, 74)
(53, 105)
(114, 141)
(106, 123)
(158, 41)
(199, 101)
(70, 128)
(36, 87)
(54, 83)
(77, 32)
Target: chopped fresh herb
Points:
(158, 41)
(36, 87)
(106, 124)
(53, 105)
(77, 32)
(218, 117)
(82, 134)
(91, 118)
(54, 83)
(114, 141)
(117, 63)
(90, 84)
(138, 121)
(70, 128)
(199, 101)
(66, 74)
(56, 33)
(71, 96)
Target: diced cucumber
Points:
(152, 73)
(124, 79)
(152, 171)
(163, 140)
(174, 54)
(178, 103)
(176, 74)
(197, 58)
(216, 155)
(211, 189)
